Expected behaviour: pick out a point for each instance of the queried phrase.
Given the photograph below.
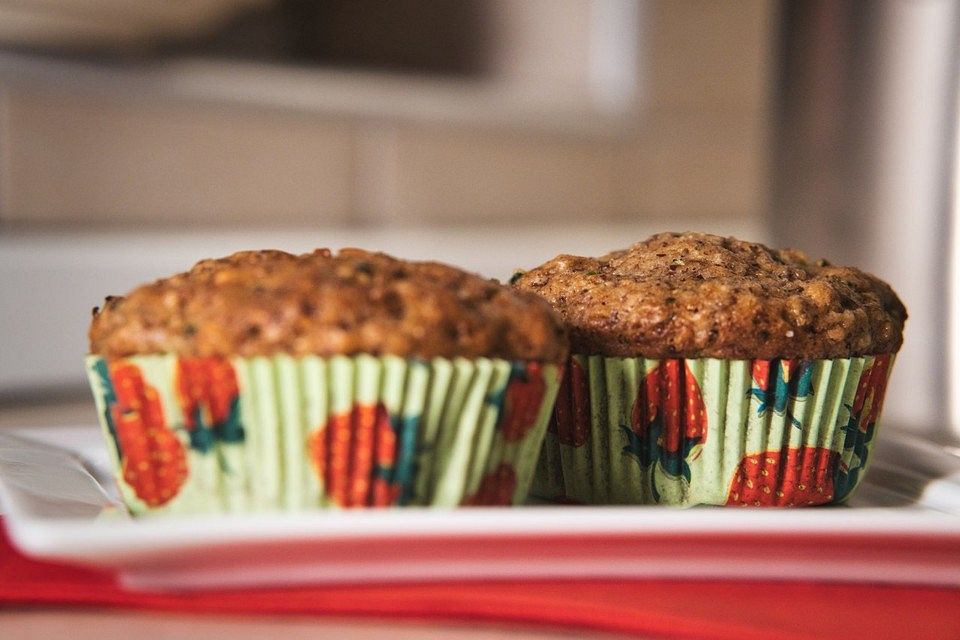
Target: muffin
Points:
(271, 381)
(708, 370)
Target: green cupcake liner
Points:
(211, 435)
(708, 431)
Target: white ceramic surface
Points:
(904, 526)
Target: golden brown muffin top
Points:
(697, 295)
(257, 303)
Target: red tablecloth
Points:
(671, 609)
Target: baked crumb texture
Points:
(259, 303)
(694, 295)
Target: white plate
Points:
(903, 527)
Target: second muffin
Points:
(708, 370)
(266, 380)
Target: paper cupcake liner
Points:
(209, 435)
(707, 431)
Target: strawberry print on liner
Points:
(152, 457)
(668, 425)
(814, 475)
(522, 401)
(861, 425)
(209, 397)
(780, 383)
(364, 456)
(570, 420)
(355, 454)
(496, 488)
(788, 478)
(814, 457)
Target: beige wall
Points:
(82, 158)
(697, 147)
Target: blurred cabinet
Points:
(609, 109)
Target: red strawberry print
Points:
(206, 388)
(208, 394)
(761, 373)
(496, 489)
(317, 449)
(352, 453)
(571, 415)
(365, 429)
(154, 463)
(671, 395)
(870, 392)
(668, 420)
(786, 478)
(522, 401)
(339, 433)
(861, 425)
(385, 492)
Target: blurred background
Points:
(138, 137)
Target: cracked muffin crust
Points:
(259, 303)
(695, 295)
